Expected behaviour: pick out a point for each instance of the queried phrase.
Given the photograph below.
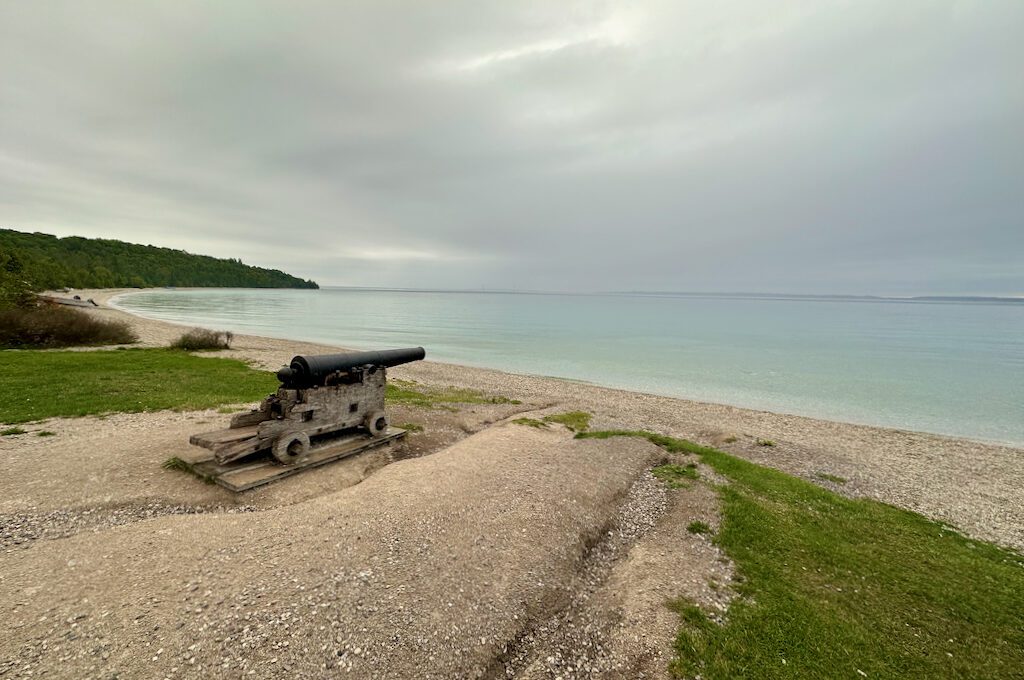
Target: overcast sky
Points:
(819, 147)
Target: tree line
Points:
(39, 261)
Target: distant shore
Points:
(975, 486)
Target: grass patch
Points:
(403, 392)
(231, 409)
(46, 433)
(411, 427)
(730, 439)
(203, 340)
(676, 476)
(698, 527)
(577, 421)
(831, 478)
(52, 326)
(59, 384)
(765, 442)
(834, 586)
(12, 431)
(531, 422)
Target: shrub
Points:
(199, 339)
(48, 327)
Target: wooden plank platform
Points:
(214, 439)
(248, 474)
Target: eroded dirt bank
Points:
(428, 568)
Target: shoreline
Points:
(975, 486)
(110, 298)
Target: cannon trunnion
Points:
(321, 400)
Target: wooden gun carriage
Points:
(331, 394)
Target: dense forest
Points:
(46, 262)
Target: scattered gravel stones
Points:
(18, 530)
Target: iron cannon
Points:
(319, 395)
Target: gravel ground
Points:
(429, 568)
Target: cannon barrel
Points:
(306, 371)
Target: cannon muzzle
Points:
(307, 371)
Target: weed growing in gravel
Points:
(175, 463)
(676, 476)
(411, 427)
(231, 409)
(831, 478)
(45, 433)
(531, 422)
(698, 527)
(12, 431)
(577, 421)
(841, 587)
(765, 442)
(730, 440)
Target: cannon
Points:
(319, 395)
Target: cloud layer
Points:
(868, 147)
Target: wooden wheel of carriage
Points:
(291, 448)
(376, 423)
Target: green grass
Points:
(831, 478)
(531, 422)
(833, 586)
(676, 476)
(698, 527)
(12, 431)
(408, 393)
(411, 427)
(577, 421)
(42, 385)
(46, 433)
(765, 442)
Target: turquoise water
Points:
(949, 368)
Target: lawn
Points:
(40, 385)
(838, 588)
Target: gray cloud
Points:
(870, 147)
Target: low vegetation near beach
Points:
(51, 326)
(201, 339)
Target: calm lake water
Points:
(950, 368)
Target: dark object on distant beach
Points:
(52, 326)
(76, 301)
(330, 394)
(199, 339)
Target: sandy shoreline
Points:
(975, 486)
